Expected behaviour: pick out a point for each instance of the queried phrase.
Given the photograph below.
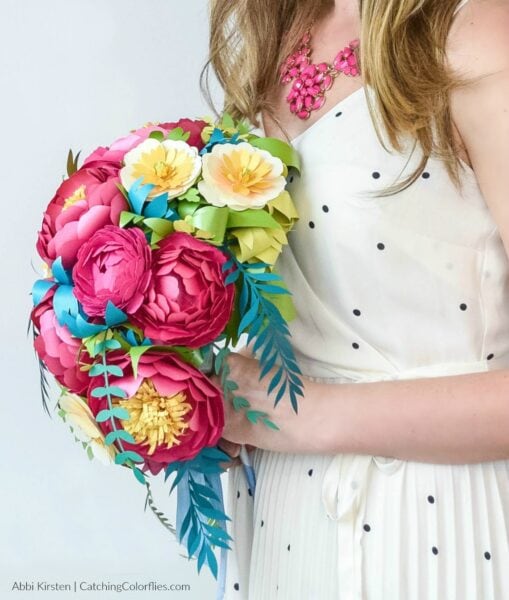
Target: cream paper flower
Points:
(79, 416)
(240, 176)
(172, 166)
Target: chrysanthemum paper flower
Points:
(241, 176)
(84, 203)
(174, 409)
(84, 426)
(114, 265)
(172, 166)
(120, 147)
(58, 349)
(188, 302)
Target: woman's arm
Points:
(452, 419)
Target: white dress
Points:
(409, 286)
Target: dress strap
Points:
(461, 4)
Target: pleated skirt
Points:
(351, 527)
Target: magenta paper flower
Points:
(58, 349)
(84, 203)
(174, 409)
(120, 147)
(188, 302)
(112, 266)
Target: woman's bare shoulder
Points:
(478, 41)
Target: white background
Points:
(78, 73)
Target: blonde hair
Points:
(402, 58)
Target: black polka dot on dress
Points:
(490, 356)
(311, 224)
(431, 499)
(325, 208)
(380, 246)
(463, 306)
(375, 175)
(487, 556)
(434, 550)
(310, 472)
(367, 527)
(355, 345)
(236, 586)
(338, 114)
(356, 312)
(425, 175)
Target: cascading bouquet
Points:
(159, 253)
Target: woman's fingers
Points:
(231, 448)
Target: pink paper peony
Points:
(193, 126)
(174, 409)
(187, 302)
(120, 147)
(113, 265)
(84, 203)
(58, 349)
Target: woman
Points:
(392, 482)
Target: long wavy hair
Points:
(401, 56)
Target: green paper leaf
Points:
(120, 413)
(112, 344)
(280, 149)
(254, 415)
(178, 134)
(103, 415)
(162, 227)
(126, 217)
(227, 121)
(136, 352)
(212, 219)
(123, 457)
(270, 424)
(251, 218)
(239, 402)
(140, 476)
(119, 434)
(157, 135)
(72, 163)
(191, 195)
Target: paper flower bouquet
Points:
(159, 253)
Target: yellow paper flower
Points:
(79, 416)
(240, 176)
(172, 166)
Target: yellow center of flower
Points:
(79, 194)
(155, 419)
(166, 168)
(246, 171)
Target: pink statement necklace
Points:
(311, 81)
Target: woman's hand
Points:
(233, 450)
(297, 432)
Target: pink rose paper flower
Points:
(174, 410)
(114, 265)
(193, 126)
(58, 349)
(84, 203)
(187, 302)
(120, 147)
